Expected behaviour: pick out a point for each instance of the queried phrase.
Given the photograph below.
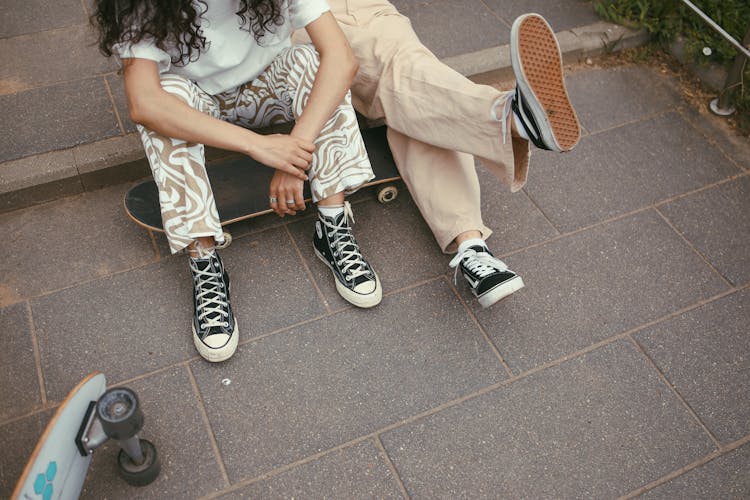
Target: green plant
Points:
(667, 19)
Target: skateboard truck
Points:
(118, 416)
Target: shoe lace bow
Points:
(479, 263)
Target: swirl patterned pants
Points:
(278, 95)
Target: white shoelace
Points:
(348, 257)
(212, 309)
(479, 263)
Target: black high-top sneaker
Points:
(489, 278)
(335, 245)
(215, 333)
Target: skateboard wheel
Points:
(119, 413)
(227, 240)
(140, 474)
(387, 194)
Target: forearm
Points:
(332, 81)
(171, 117)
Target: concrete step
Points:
(46, 176)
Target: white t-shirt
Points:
(231, 56)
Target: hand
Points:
(285, 153)
(286, 187)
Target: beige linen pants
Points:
(278, 95)
(437, 119)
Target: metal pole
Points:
(729, 38)
(722, 105)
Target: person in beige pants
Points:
(438, 120)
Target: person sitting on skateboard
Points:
(437, 119)
(202, 72)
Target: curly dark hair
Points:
(174, 23)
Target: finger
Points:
(300, 163)
(299, 199)
(305, 156)
(289, 197)
(273, 201)
(296, 172)
(307, 146)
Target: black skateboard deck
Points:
(240, 186)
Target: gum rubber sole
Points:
(540, 62)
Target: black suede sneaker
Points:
(215, 333)
(335, 245)
(489, 278)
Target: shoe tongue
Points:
(480, 248)
(204, 263)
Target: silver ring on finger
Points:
(290, 202)
(272, 199)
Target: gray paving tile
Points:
(514, 220)
(56, 117)
(19, 436)
(22, 16)
(449, 28)
(561, 14)
(395, 240)
(356, 472)
(598, 283)
(19, 390)
(270, 289)
(623, 169)
(730, 141)
(122, 325)
(117, 85)
(717, 222)
(69, 241)
(705, 354)
(725, 477)
(330, 381)
(51, 57)
(594, 427)
(639, 92)
(174, 425)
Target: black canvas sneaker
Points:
(489, 278)
(215, 333)
(335, 245)
(541, 103)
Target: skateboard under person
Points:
(437, 119)
(233, 69)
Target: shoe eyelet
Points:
(226, 324)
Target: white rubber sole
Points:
(221, 353)
(363, 301)
(501, 291)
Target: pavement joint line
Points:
(711, 140)
(37, 354)
(207, 424)
(541, 211)
(307, 269)
(114, 105)
(689, 243)
(391, 466)
(471, 64)
(725, 450)
(698, 190)
(635, 121)
(675, 392)
(479, 326)
(497, 15)
(85, 8)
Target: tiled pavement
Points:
(622, 368)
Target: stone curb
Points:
(38, 178)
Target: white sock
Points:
(331, 211)
(520, 129)
(471, 243)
